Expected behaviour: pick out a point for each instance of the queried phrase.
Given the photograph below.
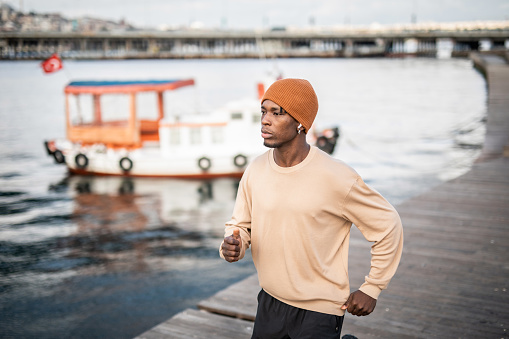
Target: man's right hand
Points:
(231, 246)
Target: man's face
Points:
(278, 127)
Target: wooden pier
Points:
(453, 280)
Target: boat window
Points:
(174, 136)
(195, 134)
(115, 107)
(217, 134)
(182, 102)
(81, 109)
(236, 116)
(146, 106)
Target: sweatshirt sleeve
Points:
(241, 218)
(379, 223)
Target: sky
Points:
(253, 14)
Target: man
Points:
(295, 207)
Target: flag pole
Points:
(67, 73)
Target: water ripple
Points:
(9, 175)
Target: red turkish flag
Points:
(52, 64)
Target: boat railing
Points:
(118, 133)
(109, 133)
(149, 130)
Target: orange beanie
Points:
(297, 97)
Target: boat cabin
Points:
(108, 112)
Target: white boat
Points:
(110, 132)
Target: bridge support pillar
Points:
(349, 48)
(485, 45)
(152, 47)
(410, 46)
(444, 48)
(83, 45)
(106, 46)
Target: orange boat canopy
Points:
(129, 131)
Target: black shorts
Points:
(275, 319)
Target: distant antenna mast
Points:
(414, 12)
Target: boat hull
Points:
(200, 176)
(100, 161)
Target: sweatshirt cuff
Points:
(372, 290)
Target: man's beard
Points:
(271, 145)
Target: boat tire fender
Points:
(204, 163)
(81, 161)
(240, 160)
(322, 142)
(125, 164)
(59, 157)
(48, 149)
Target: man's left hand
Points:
(359, 304)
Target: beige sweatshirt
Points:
(297, 221)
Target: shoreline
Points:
(254, 56)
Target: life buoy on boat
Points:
(59, 156)
(240, 160)
(125, 164)
(81, 161)
(204, 163)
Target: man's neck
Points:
(291, 155)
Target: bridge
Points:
(440, 40)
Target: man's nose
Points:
(265, 120)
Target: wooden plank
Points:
(473, 196)
(238, 300)
(199, 324)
